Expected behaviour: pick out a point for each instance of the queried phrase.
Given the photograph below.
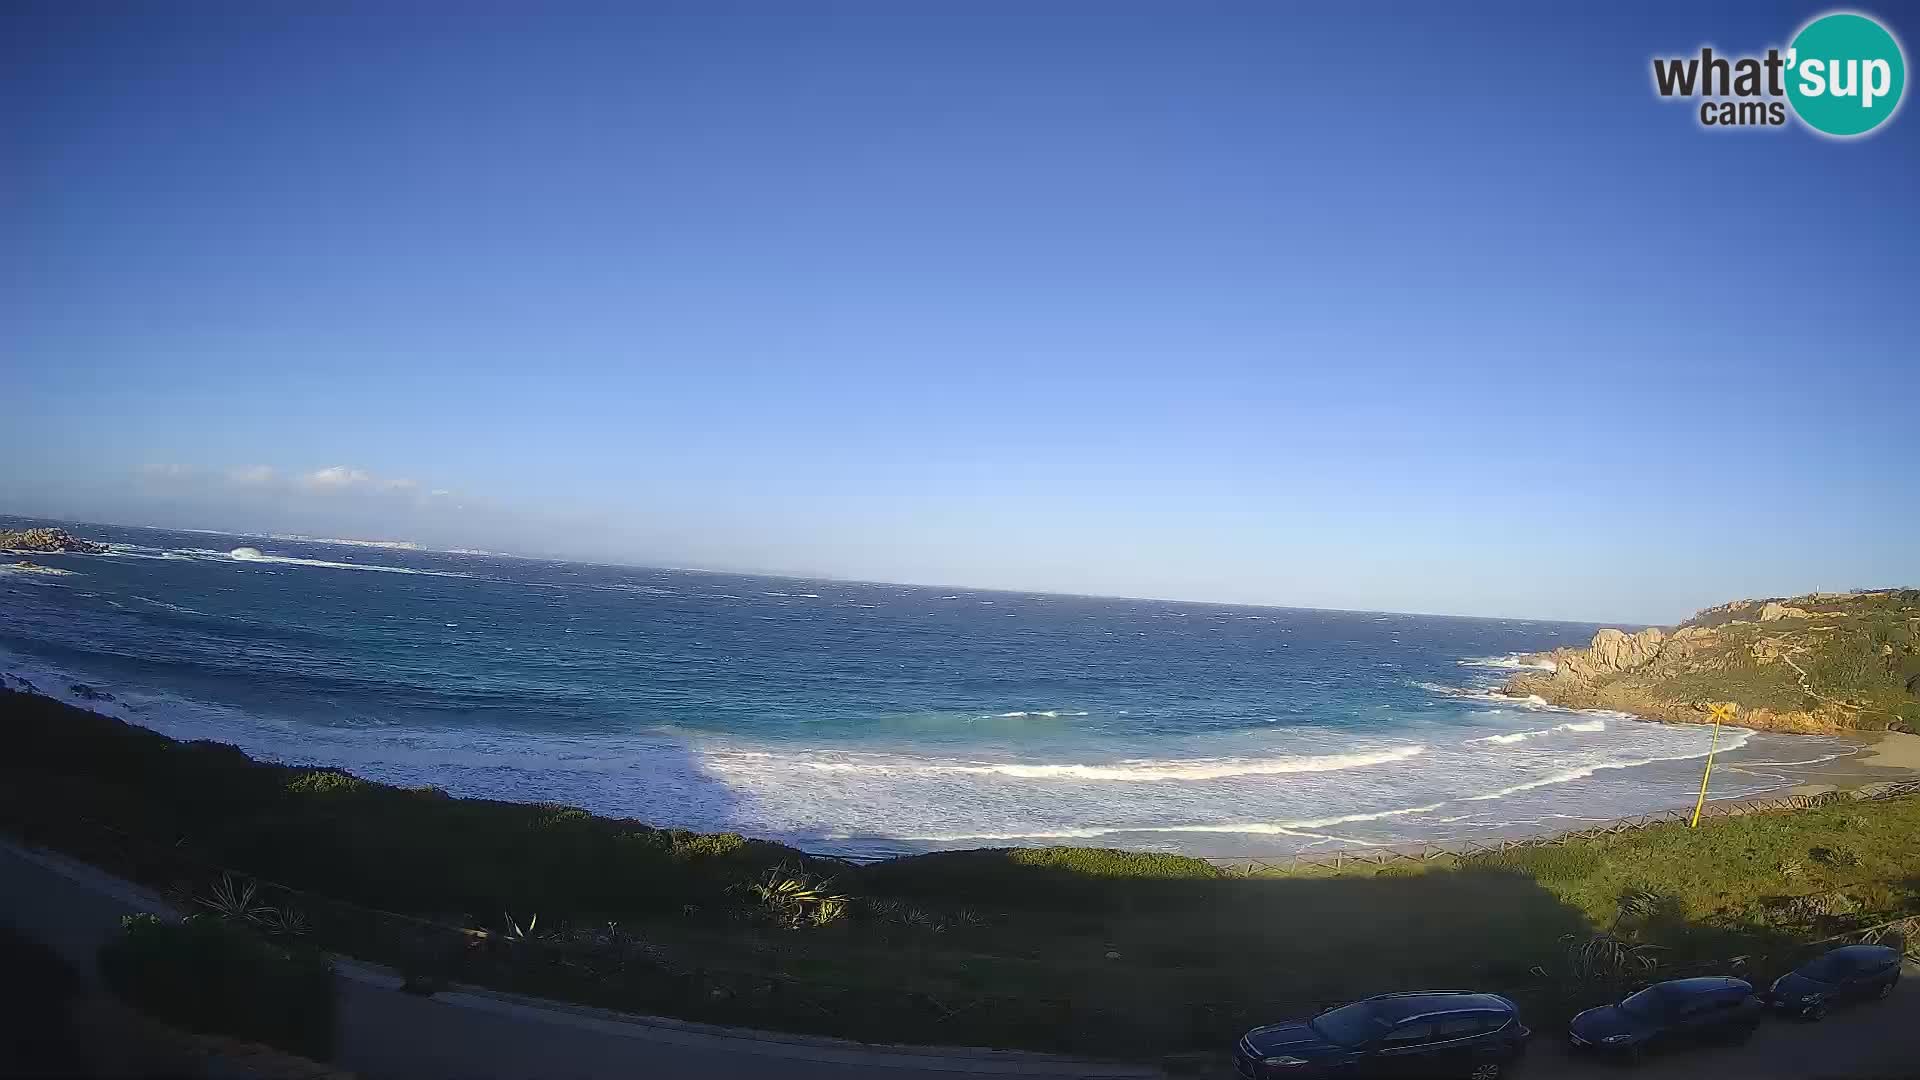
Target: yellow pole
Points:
(1719, 713)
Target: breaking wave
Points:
(1734, 741)
(255, 555)
(1523, 736)
(1509, 662)
(1198, 769)
(1123, 771)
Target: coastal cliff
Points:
(1823, 663)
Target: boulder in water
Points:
(48, 540)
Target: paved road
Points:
(384, 1033)
(1874, 1040)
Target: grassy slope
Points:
(981, 947)
(1858, 650)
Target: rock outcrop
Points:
(45, 541)
(1774, 659)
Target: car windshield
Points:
(1829, 968)
(1349, 1025)
(1646, 1005)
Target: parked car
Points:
(1430, 1033)
(1670, 1014)
(1849, 972)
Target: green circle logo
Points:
(1845, 73)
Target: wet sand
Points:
(1883, 756)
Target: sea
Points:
(855, 718)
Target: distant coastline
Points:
(396, 545)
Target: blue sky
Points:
(1376, 307)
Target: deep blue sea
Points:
(843, 716)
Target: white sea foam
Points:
(1254, 828)
(1735, 741)
(170, 607)
(36, 570)
(1509, 662)
(1849, 752)
(1050, 714)
(1489, 696)
(1138, 770)
(1196, 769)
(1523, 736)
(1249, 828)
(255, 555)
(136, 551)
(1345, 819)
(988, 837)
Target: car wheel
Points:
(1488, 1070)
(1817, 1012)
(1886, 988)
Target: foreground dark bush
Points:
(414, 850)
(213, 978)
(35, 1039)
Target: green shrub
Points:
(324, 781)
(1560, 862)
(210, 977)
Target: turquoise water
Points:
(844, 716)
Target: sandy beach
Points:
(1883, 756)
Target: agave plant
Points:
(514, 931)
(1606, 956)
(793, 899)
(1903, 936)
(827, 912)
(1639, 904)
(282, 922)
(231, 902)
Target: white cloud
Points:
(333, 480)
(337, 478)
(252, 475)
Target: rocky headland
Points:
(1820, 664)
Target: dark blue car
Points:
(1437, 1033)
(1670, 1014)
(1849, 972)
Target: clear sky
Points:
(1376, 307)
